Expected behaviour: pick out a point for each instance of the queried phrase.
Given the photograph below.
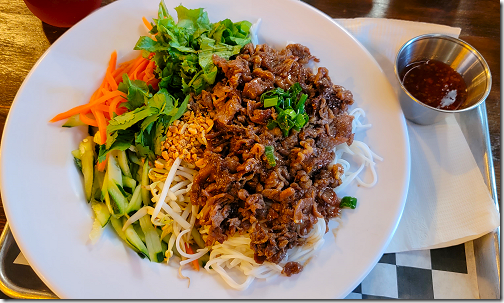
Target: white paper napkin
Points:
(448, 202)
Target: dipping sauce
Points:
(435, 83)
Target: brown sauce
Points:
(435, 83)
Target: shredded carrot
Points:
(110, 80)
(140, 67)
(89, 121)
(147, 23)
(113, 105)
(101, 107)
(123, 68)
(86, 107)
(104, 102)
(112, 62)
(102, 125)
(190, 251)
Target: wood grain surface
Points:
(24, 38)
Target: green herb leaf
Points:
(137, 91)
(184, 49)
(349, 202)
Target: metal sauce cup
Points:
(461, 56)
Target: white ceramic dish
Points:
(42, 191)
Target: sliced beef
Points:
(237, 189)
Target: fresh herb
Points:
(349, 202)
(290, 106)
(145, 126)
(184, 50)
(270, 155)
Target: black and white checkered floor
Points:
(445, 273)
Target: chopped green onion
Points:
(270, 102)
(301, 103)
(290, 107)
(270, 156)
(349, 202)
(290, 112)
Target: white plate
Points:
(42, 191)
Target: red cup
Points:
(62, 13)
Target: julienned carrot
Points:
(89, 121)
(102, 125)
(104, 103)
(135, 63)
(101, 107)
(147, 23)
(190, 251)
(112, 62)
(123, 68)
(111, 81)
(113, 105)
(86, 107)
(133, 74)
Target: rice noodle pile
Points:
(235, 253)
(360, 152)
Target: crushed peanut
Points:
(185, 138)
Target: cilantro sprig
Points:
(290, 106)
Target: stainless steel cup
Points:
(461, 56)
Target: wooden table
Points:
(24, 38)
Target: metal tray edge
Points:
(6, 286)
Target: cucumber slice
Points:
(117, 200)
(73, 121)
(114, 172)
(77, 159)
(133, 238)
(97, 185)
(76, 153)
(152, 240)
(136, 200)
(197, 238)
(122, 159)
(86, 148)
(129, 182)
(101, 212)
(133, 157)
(164, 246)
(139, 231)
(117, 224)
(104, 193)
(145, 182)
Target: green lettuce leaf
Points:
(183, 50)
